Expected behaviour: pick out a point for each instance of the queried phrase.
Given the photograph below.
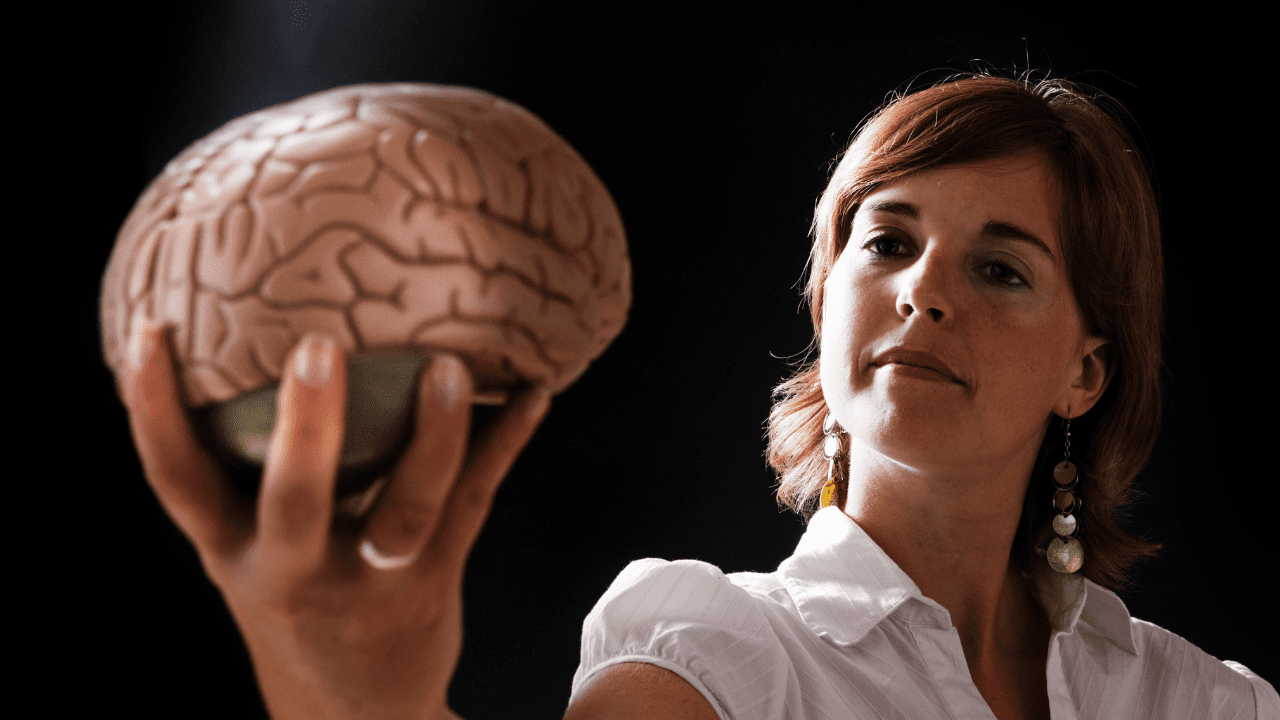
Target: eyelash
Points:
(872, 244)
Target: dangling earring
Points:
(831, 448)
(1066, 554)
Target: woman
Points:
(986, 286)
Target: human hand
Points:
(345, 618)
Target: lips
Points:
(917, 358)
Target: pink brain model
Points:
(392, 217)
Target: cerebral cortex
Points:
(391, 217)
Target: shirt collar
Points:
(1073, 600)
(843, 585)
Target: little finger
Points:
(486, 466)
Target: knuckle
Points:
(411, 518)
(308, 433)
(297, 510)
(306, 417)
(476, 497)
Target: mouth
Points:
(922, 373)
(922, 364)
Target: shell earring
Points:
(831, 448)
(1065, 553)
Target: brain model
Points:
(400, 219)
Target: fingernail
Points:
(451, 381)
(141, 342)
(538, 403)
(381, 560)
(313, 363)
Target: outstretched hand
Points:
(342, 620)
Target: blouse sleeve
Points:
(1265, 697)
(686, 616)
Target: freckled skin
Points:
(1018, 347)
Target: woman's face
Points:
(949, 331)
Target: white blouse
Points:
(840, 631)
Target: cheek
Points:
(837, 336)
(1028, 357)
(847, 300)
(834, 350)
(848, 319)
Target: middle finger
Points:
(296, 505)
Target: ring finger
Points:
(411, 507)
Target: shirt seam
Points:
(663, 663)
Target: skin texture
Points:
(638, 691)
(330, 636)
(951, 458)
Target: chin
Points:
(914, 437)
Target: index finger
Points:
(186, 480)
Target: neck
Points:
(958, 549)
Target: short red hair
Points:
(1110, 235)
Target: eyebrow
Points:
(895, 207)
(1009, 231)
(993, 229)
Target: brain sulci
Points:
(388, 216)
(401, 220)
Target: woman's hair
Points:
(1110, 233)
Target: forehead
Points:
(1020, 190)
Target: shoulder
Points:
(673, 587)
(689, 617)
(697, 598)
(689, 589)
(653, 602)
(1182, 675)
(1112, 663)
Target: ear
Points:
(1094, 374)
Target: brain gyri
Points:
(401, 220)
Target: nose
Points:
(925, 287)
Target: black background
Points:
(714, 132)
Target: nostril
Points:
(935, 313)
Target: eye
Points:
(1002, 274)
(886, 245)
